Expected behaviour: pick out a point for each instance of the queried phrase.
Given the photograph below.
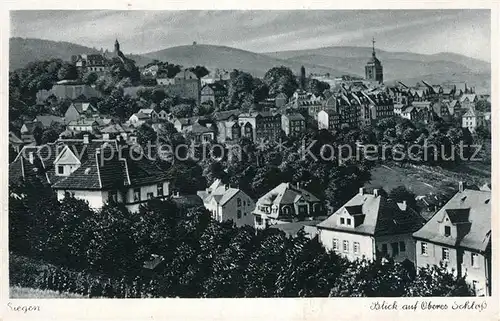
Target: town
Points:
(263, 222)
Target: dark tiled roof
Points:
(460, 215)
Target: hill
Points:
(231, 58)
(397, 65)
(25, 50)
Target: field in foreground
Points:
(17, 292)
(423, 180)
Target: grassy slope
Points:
(17, 292)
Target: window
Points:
(384, 248)
(244, 203)
(356, 247)
(137, 194)
(345, 246)
(150, 195)
(60, 169)
(335, 244)
(238, 201)
(474, 260)
(348, 221)
(402, 246)
(238, 214)
(258, 220)
(446, 254)
(342, 221)
(447, 231)
(159, 189)
(424, 249)
(395, 248)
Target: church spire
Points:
(373, 48)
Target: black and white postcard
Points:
(300, 157)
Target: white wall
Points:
(366, 243)
(94, 198)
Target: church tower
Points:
(117, 46)
(373, 68)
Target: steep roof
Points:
(285, 193)
(47, 120)
(218, 191)
(381, 216)
(102, 170)
(224, 115)
(470, 207)
(82, 107)
(470, 97)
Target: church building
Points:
(373, 68)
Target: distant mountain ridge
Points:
(333, 60)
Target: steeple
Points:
(373, 51)
(117, 46)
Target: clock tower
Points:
(373, 68)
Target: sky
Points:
(464, 32)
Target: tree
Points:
(146, 135)
(182, 110)
(50, 135)
(158, 95)
(483, 106)
(67, 71)
(317, 87)
(200, 71)
(280, 80)
(90, 78)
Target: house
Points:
(28, 130)
(160, 114)
(15, 142)
(199, 133)
(284, 204)
(83, 125)
(293, 124)
(91, 63)
(213, 93)
(473, 119)
(147, 111)
(328, 119)
(137, 119)
(68, 89)
(369, 226)
(260, 126)
(113, 131)
(459, 235)
(468, 100)
(96, 172)
(49, 120)
(78, 110)
(228, 128)
(442, 110)
(398, 109)
(293, 228)
(226, 203)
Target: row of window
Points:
(150, 195)
(397, 247)
(445, 254)
(346, 246)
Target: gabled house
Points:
(138, 119)
(78, 110)
(227, 203)
(459, 235)
(260, 126)
(228, 128)
(199, 133)
(472, 119)
(212, 93)
(293, 124)
(284, 204)
(96, 172)
(83, 125)
(49, 120)
(370, 226)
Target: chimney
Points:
(460, 187)
(86, 139)
(361, 191)
(375, 192)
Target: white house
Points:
(472, 119)
(284, 204)
(96, 172)
(369, 225)
(226, 203)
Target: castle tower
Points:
(373, 68)
(302, 79)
